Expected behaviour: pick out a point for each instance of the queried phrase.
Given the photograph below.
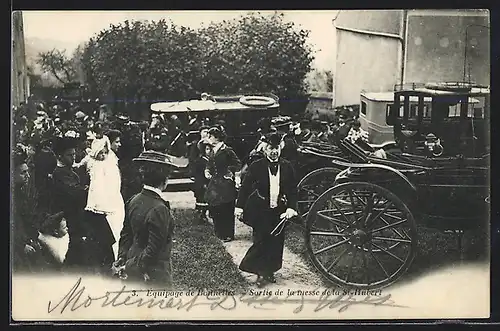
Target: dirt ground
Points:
(294, 274)
(460, 290)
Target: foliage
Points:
(142, 60)
(321, 80)
(58, 64)
(256, 53)
(161, 61)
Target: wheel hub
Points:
(359, 237)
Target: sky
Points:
(75, 27)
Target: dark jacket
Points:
(146, 238)
(253, 196)
(158, 140)
(200, 181)
(224, 162)
(68, 194)
(132, 144)
(222, 166)
(25, 230)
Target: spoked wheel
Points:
(361, 235)
(312, 186)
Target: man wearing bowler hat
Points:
(145, 245)
(267, 199)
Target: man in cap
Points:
(145, 245)
(266, 200)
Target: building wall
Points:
(436, 47)
(19, 82)
(387, 21)
(364, 62)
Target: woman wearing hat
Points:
(26, 248)
(45, 162)
(267, 199)
(221, 191)
(70, 196)
(145, 245)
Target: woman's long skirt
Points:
(265, 256)
(223, 217)
(91, 250)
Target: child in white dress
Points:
(104, 195)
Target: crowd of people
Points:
(72, 171)
(88, 191)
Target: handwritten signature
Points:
(77, 298)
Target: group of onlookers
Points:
(68, 213)
(88, 192)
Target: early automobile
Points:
(374, 112)
(239, 114)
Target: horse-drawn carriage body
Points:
(369, 213)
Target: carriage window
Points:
(363, 108)
(475, 112)
(388, 111)
(454, 110)
(427, 111)
(413, 111)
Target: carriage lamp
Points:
(433, 145)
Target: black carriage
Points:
(439, 176)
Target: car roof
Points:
(389, 96)
(202, 105)
(386, 97)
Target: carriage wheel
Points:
(312, 185)
(361, 235)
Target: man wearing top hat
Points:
(266, 200)
(145, 245)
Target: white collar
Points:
(154, 189)
(218, 146)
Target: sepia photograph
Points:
(250, 165)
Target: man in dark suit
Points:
(267, 199)
(145, 245)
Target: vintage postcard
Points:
(265, 165)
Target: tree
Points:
(137, 60)
(321, 80)
(256, 53)
(58, 64)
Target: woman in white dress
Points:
(104, 195)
